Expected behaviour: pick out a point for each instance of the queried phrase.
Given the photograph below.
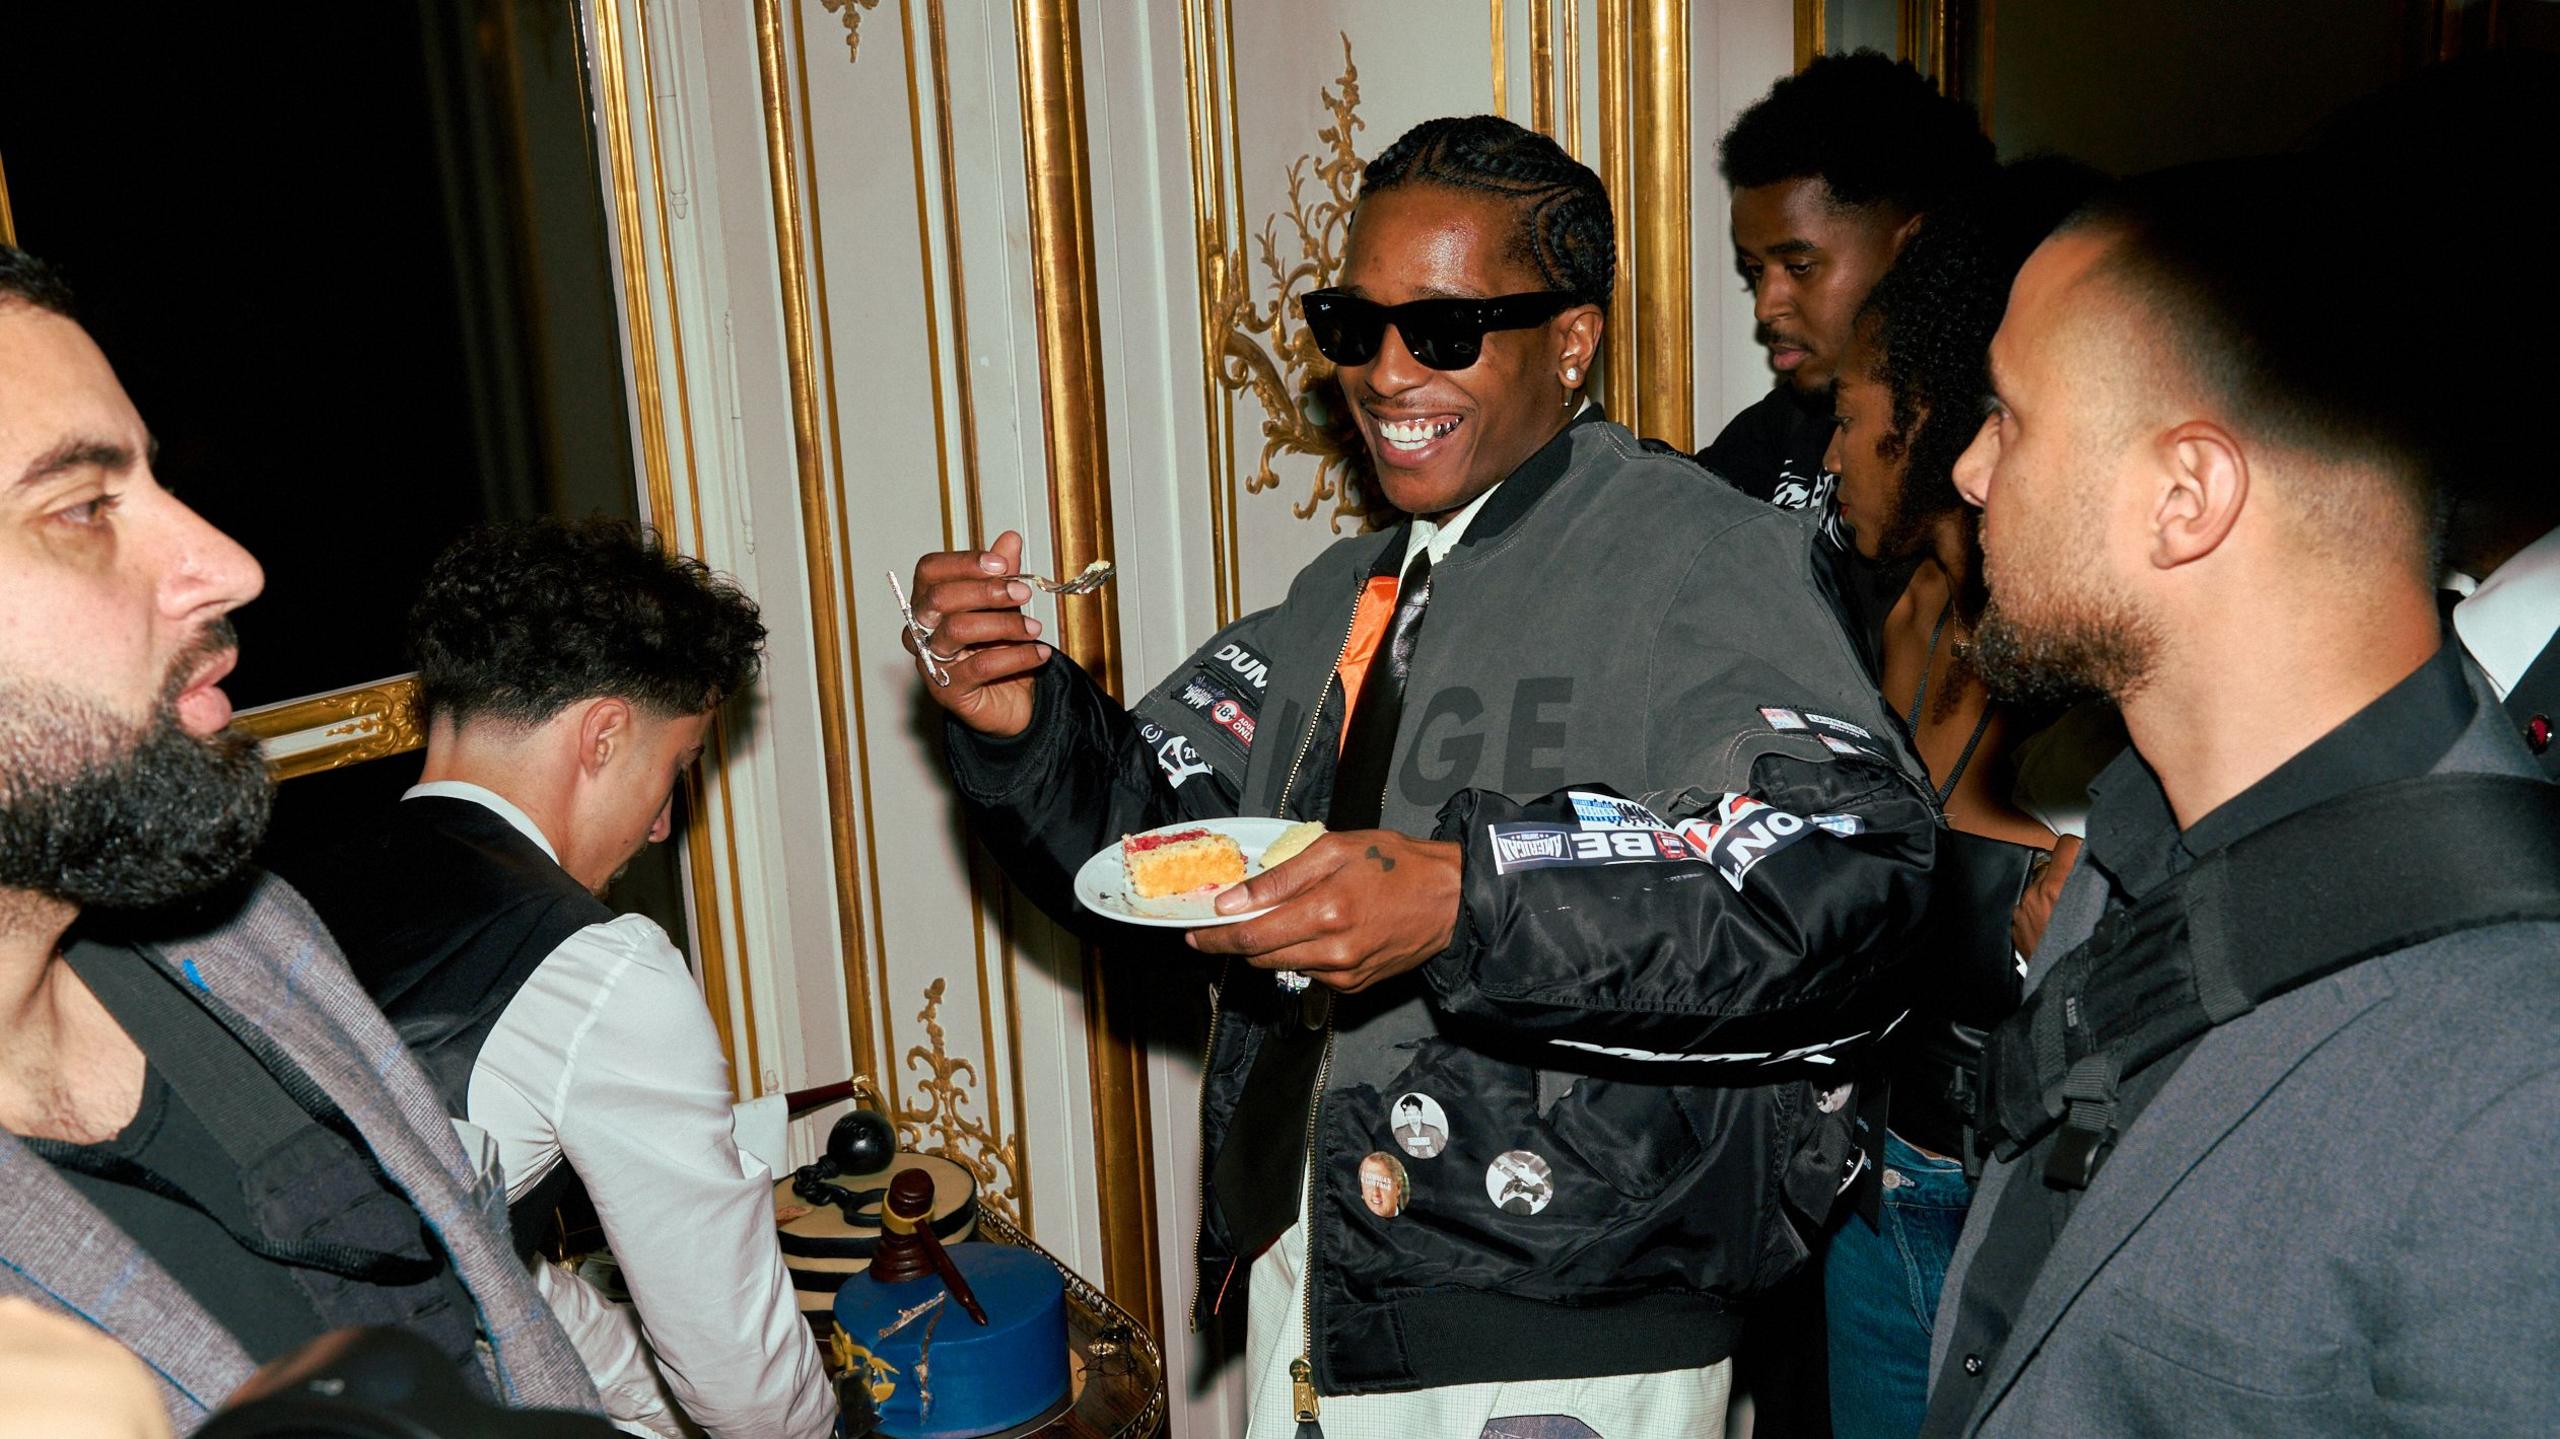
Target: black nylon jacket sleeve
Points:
(1761, 898)
(1750, 931)
(1088, 770)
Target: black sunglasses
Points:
(1442, 334)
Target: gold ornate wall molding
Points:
(1049, 46)
(851, 12)
(1217, 206)
(663, 418)
(343, 727)
(1647, 365)
(818, 531)
(1666, 399)
(1266, 351)
(948, 1088)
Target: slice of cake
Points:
(1179, 861)
(1293, 842)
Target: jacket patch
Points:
(1420, 1125)
(1245, 663)
(1215, 700)
(1177, 756)
(1741, 832)
(1781, 718)
(1840, 726)
(1519, 1182)
(1803, 1054)
(1528, 844)
(1608, 811)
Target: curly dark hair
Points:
(26, 280)
(1567, 232)
(1930, 321)
(519, 621)
(1870, 127)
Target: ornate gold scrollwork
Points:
(850, 11)
(1268, 350)
(964, 1138)
(332, 731)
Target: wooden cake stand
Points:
(1116, 1373)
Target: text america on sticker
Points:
(1527, 844)
(1733, 838)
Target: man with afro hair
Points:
(1831, 171)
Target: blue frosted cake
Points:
(935, 1373)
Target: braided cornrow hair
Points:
(1932, 317)
(1566, 231)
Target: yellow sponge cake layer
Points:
(1179, 862)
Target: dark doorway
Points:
(351, 262)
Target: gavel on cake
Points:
(862, 1143)
(908, 1246)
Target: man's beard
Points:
(2102, 649)
(103, 812)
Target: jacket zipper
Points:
(1315, 717)
(1307, 743)
(1302, 1381)
(1302, 1370)
(1200, 1225)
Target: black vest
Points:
(444, 913)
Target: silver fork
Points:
(1092, 577)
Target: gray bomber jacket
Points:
(1695, 854)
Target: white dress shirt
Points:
(607, 1059)
(2509, 617)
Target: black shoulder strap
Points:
(2366, 874)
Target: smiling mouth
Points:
(1414, 436)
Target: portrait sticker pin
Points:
(1420, 1126)
(1519, 1182)
(1384, 1187)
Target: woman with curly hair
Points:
(1911, 394)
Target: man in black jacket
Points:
(1831, 171)
(1624, 854)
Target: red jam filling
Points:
(1141, 843)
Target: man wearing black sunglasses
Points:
(1622, 852)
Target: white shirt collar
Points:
(2506, 622)
(489, 798)
(1440, 539)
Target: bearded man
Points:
(213, 1149)
(2295, 1002)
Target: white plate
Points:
(1102, 885)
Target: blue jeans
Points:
(1880, 1294)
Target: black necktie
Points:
(1264, 1160)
